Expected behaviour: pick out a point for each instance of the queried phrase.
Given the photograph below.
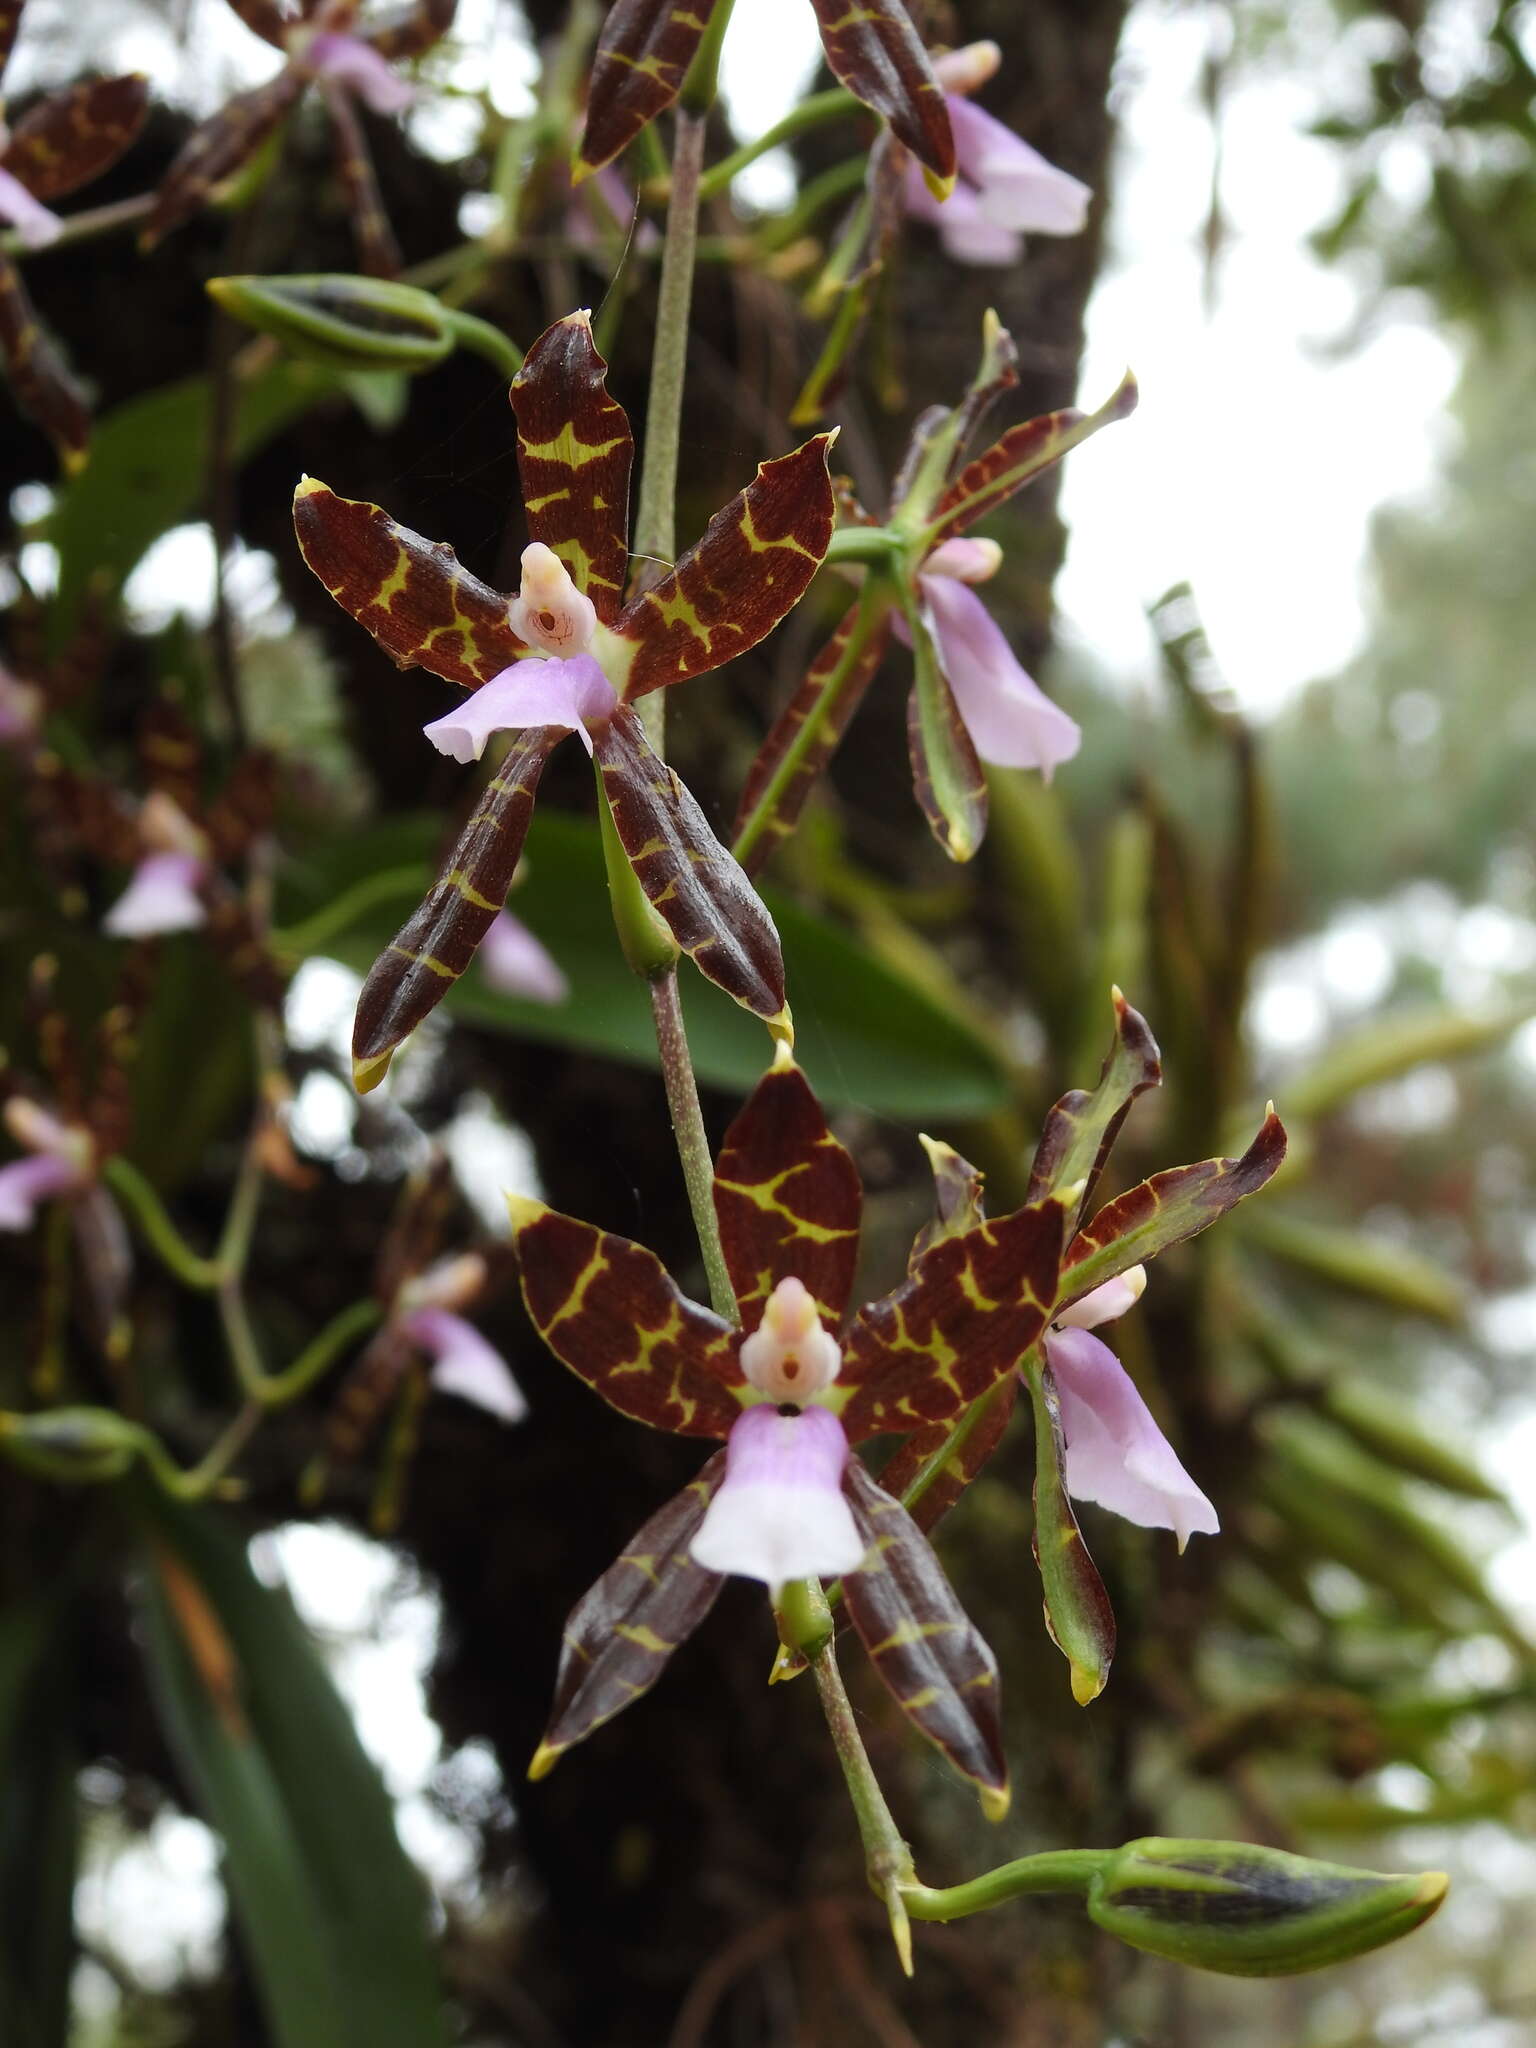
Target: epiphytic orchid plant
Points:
(569, 654)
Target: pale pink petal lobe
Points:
(780, 1513)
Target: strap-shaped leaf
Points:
(947, 775)
(376, 244)
(788, 1198)
(574, 451)
(218, 147)
(1082, 1127)
(966, 1315)
(608, 1309)
(932, 1468)
(1077, 1610)
(414, 31)
(957, 1194)
(424, 609)
(71, 137)
(874, 50)
(621, 1634)
(43, 387)
(707, 903)
(838, 678)
(752, 564)
(1166, 1209)
(435, 945)
(1022, 454)
(641, 61)
(931, 1658)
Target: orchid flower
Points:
(463, 1362)
(802, 1383)
(164, 892)
(322, 49)
(58, 145)
(567, 655)
(60, 1161)
(1005, 189)
(514, 962)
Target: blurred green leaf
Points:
(1348, 1259)
(1396, 1045)
(334, 1914)
(866, 1034)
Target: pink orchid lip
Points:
(37, 225)
(515, 963)
(356, 64)
(1116, 1454)
(161, 896)
(24, 1183)
(780, 1513)
(465, 1363)
(566, 694)
(1011, 721)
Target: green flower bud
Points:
(80, 1445)
(1249, 1911)
(347, 323)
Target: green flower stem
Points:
(692, 1141)
(485, 340)
(312, 933)
(811, 113)
(654, 541)
(887, 1859)
(958, 1437)
(207, 1475)
(803, 1617)
(780, 230)
(1057, 1870)
(84, 227)
(157, 1229)
(880, 546)
(647, 945)
(321, 1352)
(875, 600)
(698, 91)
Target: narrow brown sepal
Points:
(574, 452)
(435, 945)
(752, 565)
(73, 136)
(873, 49)
(43, 387)
(620, 1635)
(931, 1658)
(947, 776)
(413, 32)
(694, 884)
(1078, 1615)
(608, 1309)
(217, 148)
(1023, 453)
(1081, 1128)
(984, 1432)
(638, 70)
(787, 1196)
(424, 609)
(378, 251)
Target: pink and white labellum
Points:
(463, 1361)
(516, 963)
(1005, 189)
(1116, 1454)
(37, 225)
(164, 890)
(60, 1162)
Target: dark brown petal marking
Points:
(413, 595)
(705, 900)
(1165, 1210)
(874, 50)
(964, 1461)
(217, 148)
(947, 776)
(233, 934)
(376, 244)
(788, 1198)
(43, 387)
(620, 1635)
(435, 945)
(931, 1658)
(1077, 1610)
(267, 19)
(786, 730)
(608, 1309)
(413, 32)
(74, 136)
(1082, 1127)
(171, 754)
(1022, 454)
(574, 451)
(642, 58)
(753, 564)
(93, 812)
(10, 21)
(957, 1192)
(967, 1315)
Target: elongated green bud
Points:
(1249, 1911)
(80, 1445)
(348, 323)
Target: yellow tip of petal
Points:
(1087, 1685)
(544, 1761)
(783, 1055)
(901, 1928)
(995, 1800)
(782, 1027)
(1433, 1886)
(367, 1074)
(524, 1210)
(939, 187)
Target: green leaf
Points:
(146, 473)
(1390, 1046)
(1371, 1267)
(866, 1035)
(334, 1915)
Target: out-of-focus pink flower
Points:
(21, 711)
(1004, 189)
(60, 1162)
(515, 963)
(37, 225)
(358, 66)
(1116, 1454)
(465, 1363)
(161, 896)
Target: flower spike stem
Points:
(887, 1859)
(821, 106)
(159, 1232)
(479, 336)
(1058, 1870)
(692, 1140)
